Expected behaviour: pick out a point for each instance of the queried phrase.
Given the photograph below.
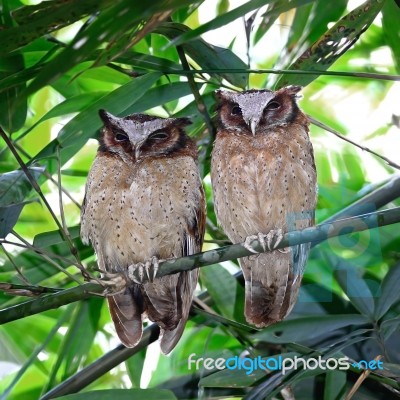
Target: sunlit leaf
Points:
(304, 328)
(335, 42)
(206, 55)
(85, 124)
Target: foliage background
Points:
(61, 61)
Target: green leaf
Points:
(206, 55)
(389, 293)
(9, 217)
(356, 289)
(309, 24)
(219, 21)
(54, 237)
(85, 124)
(14, 188)
(390, 19)
(72, 105)
(134, 366)
(334, 43)
(305, 328)
(335, 385)
(12, 119)
(38, 20)
(122, 394)
(224, 289)
(104, 28)
(148, 62)
(78, 340)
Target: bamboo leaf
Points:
(104, 28)
(390, 293)
(390, 18)
(356, 289)
(219, 21)
(305, 328)
(334, 43)
(206, 55)
(84, 125)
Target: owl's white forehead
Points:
(144, 128)
(251, 103)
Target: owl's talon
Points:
(136, 272)
(247, 243)
(113, 283)
(268, 242)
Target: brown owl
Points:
(144, 201)
(264, 182)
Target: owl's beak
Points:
(137, 146)
(253, 126)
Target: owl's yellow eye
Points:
(236, 110)
(273, 105)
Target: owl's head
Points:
(255, 111)
(138, 136)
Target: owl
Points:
(264, 185)
(144, 201)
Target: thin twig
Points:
(364, 75)
(197, 97)
(19, 272)
(38, 251)
(45, 257)
(46, 174)
(26, 290)
(63, 221)
(329, 129)
(360, 380)
(35, 185)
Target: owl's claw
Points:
(268, 242)
(113, 283)
(136, 271)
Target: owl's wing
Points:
(126, 312)
(187, 281)
(125, 308)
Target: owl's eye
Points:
(236, 110)
(160, 135)
(273, 105)
(121, 136)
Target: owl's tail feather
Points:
(271, 290)
(126, 312)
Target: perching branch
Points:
(314, 234)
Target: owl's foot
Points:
(268, 242)
(136, 272)
(113, 283)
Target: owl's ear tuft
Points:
(221, 95)
(106, 117)
(293, 90)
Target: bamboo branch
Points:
(197, 97)
(363, 75)
(314, 234)
(329, 129)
